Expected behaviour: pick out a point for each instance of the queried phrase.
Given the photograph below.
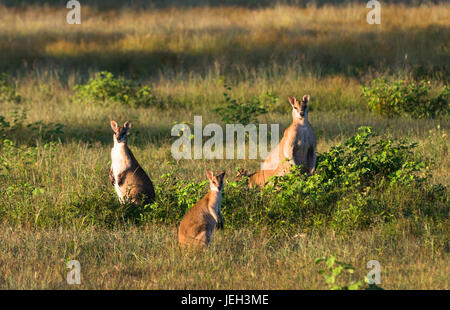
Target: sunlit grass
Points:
(327, 38)
(149, 258)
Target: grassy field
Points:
(56, 200)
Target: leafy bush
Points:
(352, 189)
(105, 89)
(405, 97)
(17, 118)
(36, 130)
(333, 270)
(8, 92)
(346, 188)
(237, 111)
(175, 197)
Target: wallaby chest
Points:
(210, 205)
(304, 137)
(120, 160)
(303, 143)
(215, 206)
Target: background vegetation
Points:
(381, 191)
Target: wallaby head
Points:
(215, 181)
(242, 173)
(299, 109)
(120, 133)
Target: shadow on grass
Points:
(140, 4)
(332, 53)
(51, 132)
(328, 126)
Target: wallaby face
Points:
(129, 179)
(215, 182)
(200, 221)
(120, 133)
(299, 109)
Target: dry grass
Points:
(228, 39)
(149, 258)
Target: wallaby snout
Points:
(299, 108)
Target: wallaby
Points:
(200, 221)
(129, 179)
(297, 147)
(258, 178)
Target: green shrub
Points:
(333, 271)
(175, 197)
(346, 189)
(105, 89)
(17, 118)
(37, 130)
(237, 111)
(8, 92)
(353, 188)
(405, 97)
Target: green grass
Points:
(57, 203)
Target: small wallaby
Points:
(200, 221)
(129, 179)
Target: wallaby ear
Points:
(127, 125)
(209, 175)
(292, 100)
(114, 126)
(305, 98)
(222, 174)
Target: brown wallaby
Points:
(297, 147)
(129, 179)
(200, 221)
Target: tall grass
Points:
(233, 41)
(149, 258)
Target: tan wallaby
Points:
(129, 179)
(200, 221)
(297, 147)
